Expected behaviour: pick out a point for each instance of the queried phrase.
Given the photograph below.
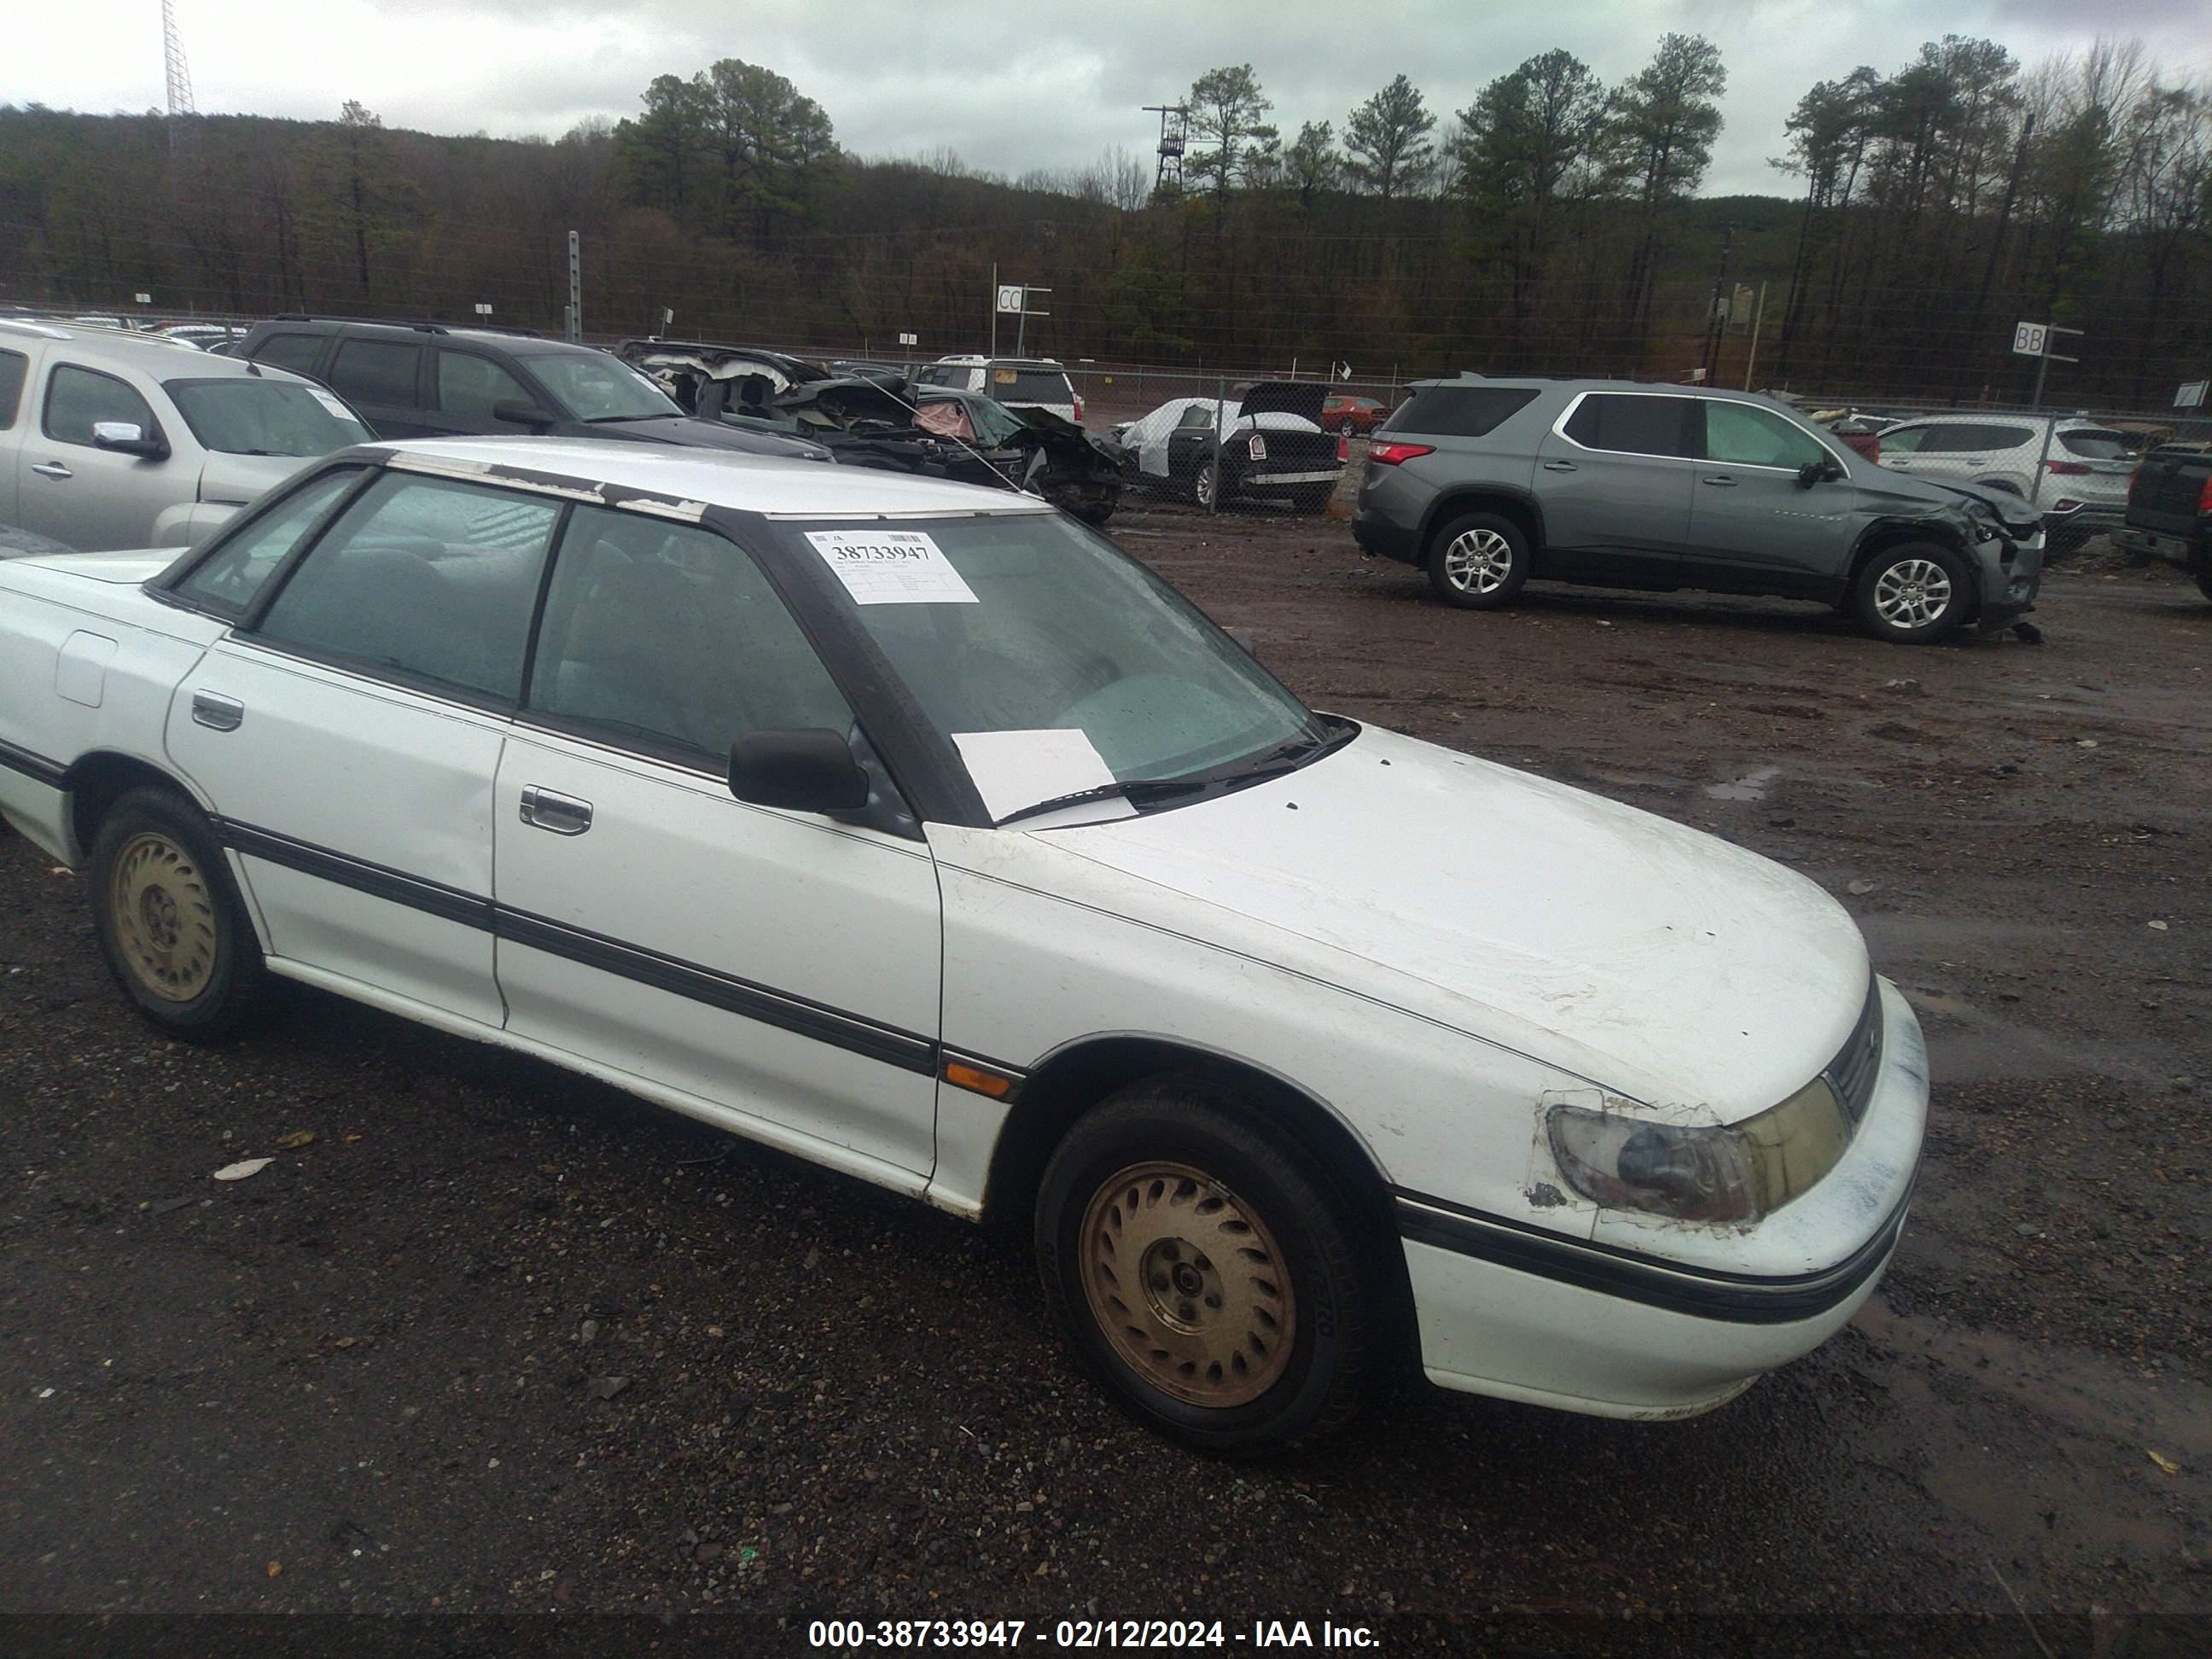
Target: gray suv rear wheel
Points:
(1478, 562)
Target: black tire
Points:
(2205, 582)
(1894, 594)
(1347, 428)
(171, 924)
(1487, 538)
(1313, 498)
(1203, 477)
(2068, 541)
(1198, 1166)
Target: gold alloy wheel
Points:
(164, 913)
(1187, 1283)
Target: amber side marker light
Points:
(974, 1078)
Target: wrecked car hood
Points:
(1910, 493)
(1658, 962)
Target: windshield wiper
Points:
(1288, 756)
(1131, 790)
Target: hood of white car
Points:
(1659, 961)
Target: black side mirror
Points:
(514, 410)
(129, 438)
(1815, 472)
(809, 769)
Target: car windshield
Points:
(261, 415)
(594, 386)
(994, 428)
(1052, 660)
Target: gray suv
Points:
(1488, 483)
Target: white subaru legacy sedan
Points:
(913, 828)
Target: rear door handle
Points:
(564, 815)
(1719, 478)
(1558, 466)
(217, 712)
(52, 470)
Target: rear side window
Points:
(1967, 437)
(227, 580)
(426, 579)
(1459, 411)
(1029, 386)
(296, 352)
(13, 365)
(79, 399)
(938, 374)
(376, 372)
(1634, 425)
(2088, 445)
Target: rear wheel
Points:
(1478, 562)
(2205, 582)
(1914, 593)
(1205, 479)
(1348, 428)
(1206, 1272)
(169, 921)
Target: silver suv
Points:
(111, 441)
(1487, 483)
(2085, 467)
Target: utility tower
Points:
(173, 52)
(1174, 139)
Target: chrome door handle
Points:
(217, 712)
(1720, 479)
(564, 815)
(52, 470)
(1558, 466)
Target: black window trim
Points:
(1559, 426)
(14, 412)
(54, 367)
(422, 369)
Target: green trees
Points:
(1230, 140)
(1387, 138)
(736, 150)
(1530, 151)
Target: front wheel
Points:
(1348, 428)
(1914, 593)
(1206, 1272)
(1479, 561)
(169, 922)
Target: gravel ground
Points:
(499, 1340)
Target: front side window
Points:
(670, 634)
(469, 387)
(228, 579)
(1741, 435)
(425, 578)
(1026, 625)
(254, 415)
(594, 386)
(13, 366)
(77, 400)
(376, 371)
(1632, 425)
(1905, 439)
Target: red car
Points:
(1350, 415)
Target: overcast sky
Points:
(1009, 84)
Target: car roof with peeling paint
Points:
(752, 483)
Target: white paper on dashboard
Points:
(1014, 769)
(891, 567)
(330, 404)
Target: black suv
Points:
(432, 380)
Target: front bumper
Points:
(2008, 590)
(1606, 1326)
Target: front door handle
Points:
(52, 470)
(1719, 478)
(217, 712)
(564, 815)
(1558, 466)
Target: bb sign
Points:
(2030, 339)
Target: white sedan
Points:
(913, 828)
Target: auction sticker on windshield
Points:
(891, 567)
(330, 404)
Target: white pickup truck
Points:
(111, 441)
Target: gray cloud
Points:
(1009, 84)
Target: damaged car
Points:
(1267, 445)
(1488, 484)
(878, 420)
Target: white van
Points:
(1016, 382)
